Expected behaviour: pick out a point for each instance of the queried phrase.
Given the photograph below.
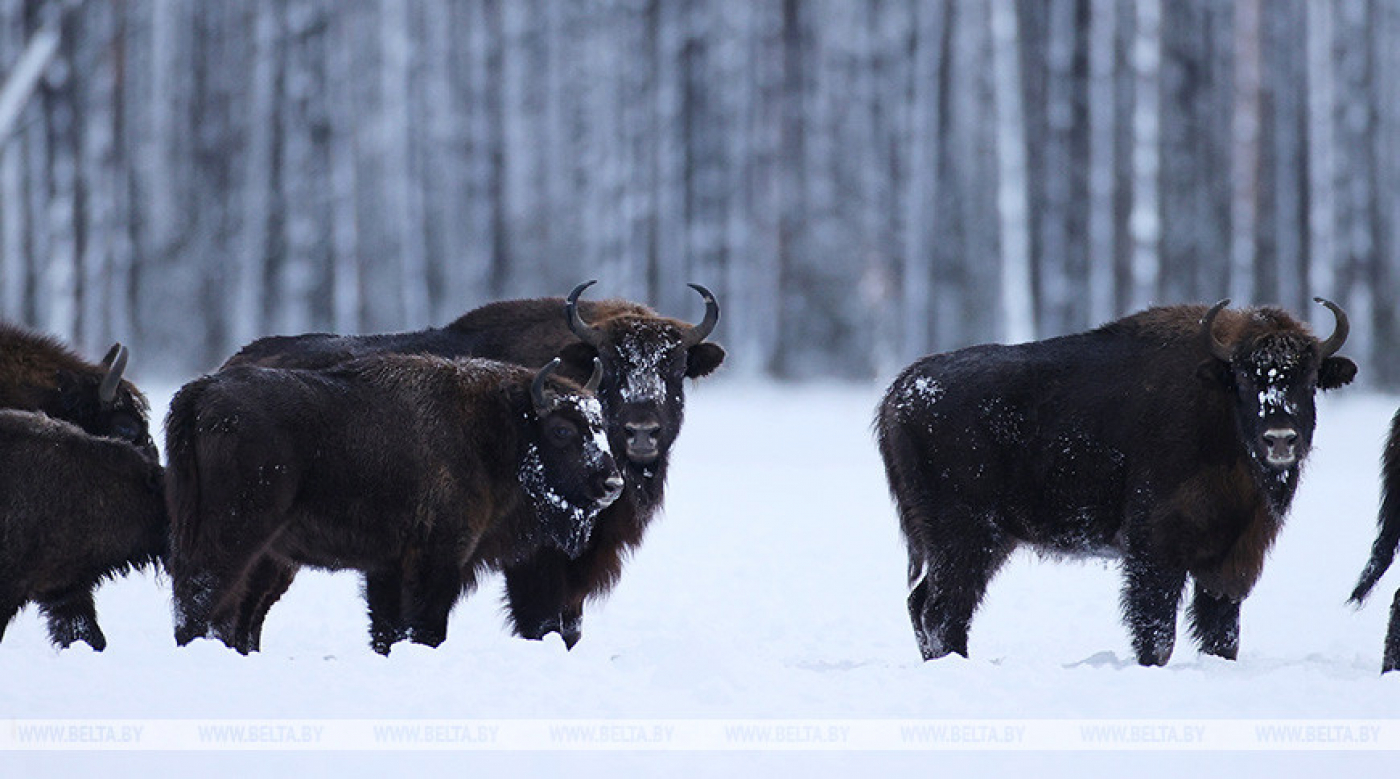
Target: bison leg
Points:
(1151, 595)
(207, 601)
(535, 591)
(942, 600)
(1215, 622)
(433, 592)
(1392, 638)
(9, 607)
(267, 583)
(72, 617)
(384, 595)
(194, 599)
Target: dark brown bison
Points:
(417, 471)
(645, 357)
(1387, 540)
(37, 373)
(1171, 438)
(74, 509)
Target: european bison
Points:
(74, 509)
(645, 357)
(1171, 438)
(417, 471)
(1387, 539)
(38, 373)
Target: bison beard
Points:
(417, 471)
(74, 509)
(1171, 439)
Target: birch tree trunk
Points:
(1146, 221)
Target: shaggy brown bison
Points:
(1171, 438)
(74, 509)
(38, 373)
(645, 357)
(1387, 539)
(416, 471)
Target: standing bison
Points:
(645, 358)
(417, 471)
(1171, 438)
(74, 509)
(1387, 539)
(37, 373)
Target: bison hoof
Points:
(571, 632)
(1154, 657)
(1225, 651)
(66, 632)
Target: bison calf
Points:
(1172, 438)
(417, 471)
(74, 509)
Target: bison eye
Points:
(125, 428)
(562, 433)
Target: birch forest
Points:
(859, 181)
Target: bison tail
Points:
(182, 485)
(1388, 537)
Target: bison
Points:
(645, 357)
(417, 471)
(37, 373)
(1171, 439)
(1387, 539)
(74, 509)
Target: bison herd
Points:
(532, 437)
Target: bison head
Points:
(103, 404)
(1273, 367)
(568, 470)
(645, 360)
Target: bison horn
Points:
(702, 331)
(585, 332)
(537, 393)
(597, 377)
(1212, 344)
(1334, 342)
(107, 391)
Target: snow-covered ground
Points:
(772, 589)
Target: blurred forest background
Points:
(860, 182)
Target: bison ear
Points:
(1335, 372)
(578, 359)
(1216, 373)
(702, 359)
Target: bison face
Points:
(645, 362)
(1274, 377)
(568, 470)
(106, 405)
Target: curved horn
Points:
(107, 390)
(585, 332)
(1213, 345)
(537, 386)
(702, 331)
(1334, 342)
(597, 377)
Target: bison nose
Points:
(1282, 443)
(612, 489)
(642, 441)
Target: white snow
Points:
(772, 588)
